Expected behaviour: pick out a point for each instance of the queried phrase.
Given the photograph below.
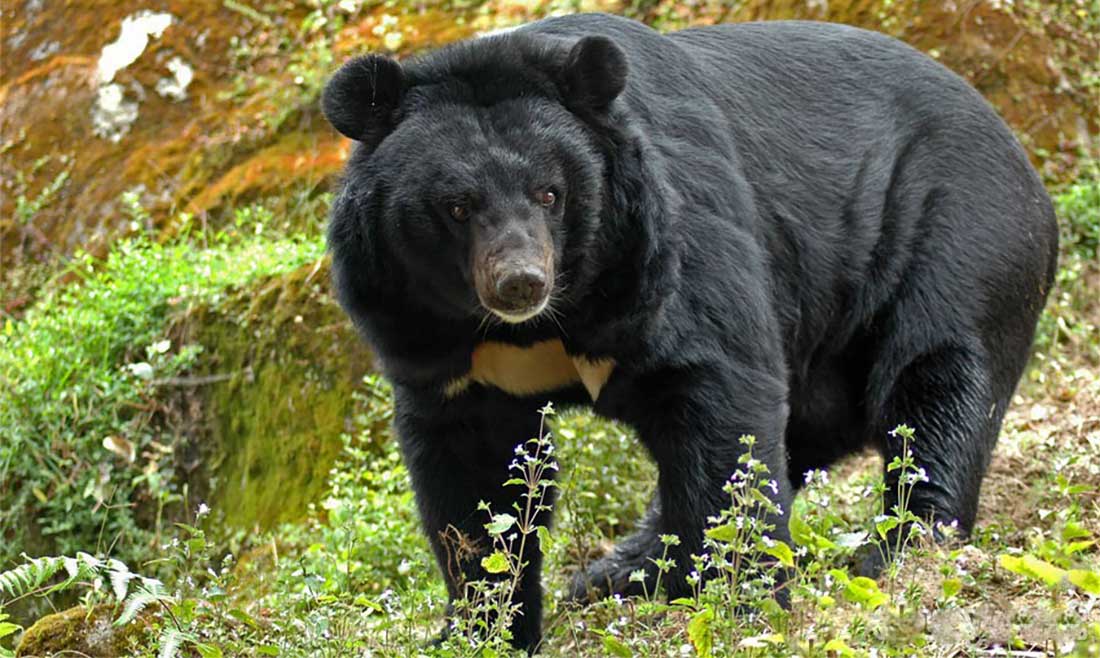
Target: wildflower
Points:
(913, 477)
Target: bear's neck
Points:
(633, 260)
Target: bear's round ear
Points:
(360, 99)
(594, 73)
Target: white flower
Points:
(913, 477)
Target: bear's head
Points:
(477, 182)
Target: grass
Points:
(359, 578)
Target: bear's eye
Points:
(459, 212)
(546, 198)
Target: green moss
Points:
(273, 425)
(80, 631)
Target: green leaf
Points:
(865, 592)
(699, 632)
(7, 628)
(615, 647)
(884, 526)
(267, 650)
(840, 576)
(724, 533)
(839, 647)
(495, 563)
(1032, 567)
(546, 540)
(208, 650)
(1086, 581)
(951, 587)
(780, 551)
(1074, 530)
(804, 535)
(1078, 546)
(500, 524)
(244, 618)
(364, 602)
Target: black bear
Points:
(805, 232)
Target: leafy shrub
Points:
(79, 371)
(1078, 207)
(1067, 330)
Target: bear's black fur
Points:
(806, 232)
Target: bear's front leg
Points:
(691, 420)
(458, 454)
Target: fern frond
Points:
(29, 576)
(120, 577)
(150, 591)
(83, 567)
(170, 640)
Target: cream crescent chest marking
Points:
(539, 368)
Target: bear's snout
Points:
(521, 289)
(513, 268)
(517, 290)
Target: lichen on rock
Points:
(79, 631)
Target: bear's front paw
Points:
(609, 576)
(612, 573)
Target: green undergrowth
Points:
(1068, 335)
(84, 464)
(359, 578)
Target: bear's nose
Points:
(522, 288)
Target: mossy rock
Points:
(80, 632)
(281, 362)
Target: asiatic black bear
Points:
(805, 232)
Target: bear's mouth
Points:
(518, 317)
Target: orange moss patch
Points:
(420, 29)
(62, 61)
(294, 159)
(46, 112)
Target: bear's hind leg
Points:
(945, 395)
